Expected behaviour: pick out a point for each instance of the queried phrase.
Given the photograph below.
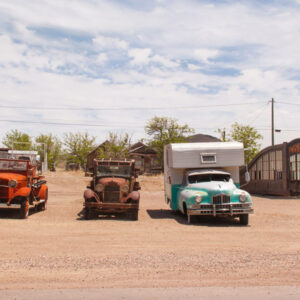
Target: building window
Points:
(272, 164)
(293, 167)
(252, 172)
(278, 165)
(265, 166)
(259, 168)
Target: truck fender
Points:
(88, 194)
(43, 192)
(23, 192)
(135, 196)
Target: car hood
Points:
(213, 187)
(112, 180)
(10, 176)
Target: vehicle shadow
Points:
(111, 217)
(220, 221)
(14, 213)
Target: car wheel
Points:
(244, 219)
(24, 211)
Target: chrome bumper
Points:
(220, 209)
(11, 206)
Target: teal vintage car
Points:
(212, 193)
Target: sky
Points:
(110, 66)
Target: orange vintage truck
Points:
(21, 188)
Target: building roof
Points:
(202, 138)
(141, 148)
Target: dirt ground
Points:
(57, 249)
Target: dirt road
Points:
(57, 249)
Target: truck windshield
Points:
(10, 165)
(208, 177)
(112, 170)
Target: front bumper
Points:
(220, 209)
(10, 206)
(112, 207)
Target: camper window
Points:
(208, 158)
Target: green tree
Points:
(249, 136)
(163, 131)
(77, 147)
(116, 146)
(17, 140)
(52, 145)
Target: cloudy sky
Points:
(206, 63)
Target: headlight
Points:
(99, 188)
(198, 199)
(243, 197)
(12, 183)
(124, 188)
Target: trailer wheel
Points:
(24, 210)
(244, 219)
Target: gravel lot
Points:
(57, 249)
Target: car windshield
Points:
(196, 178)
(10, 165)
(114, 170)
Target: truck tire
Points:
(86, 213)
(43, 206)
(244, 219)
(134, 215)
(24, 210)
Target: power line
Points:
(288, 103)
(54, 123)
(128, 108)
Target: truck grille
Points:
(220, 199)
(112, 193)
(3, 189)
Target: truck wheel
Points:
(134, 216)
(24, 211)
(86, 213)
(43, 206)
(244, 219)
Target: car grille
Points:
(112, 193)
(220, 199)
(3, 189)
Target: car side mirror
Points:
(247, 177)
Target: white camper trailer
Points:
(203, 179)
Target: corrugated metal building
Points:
(276, 170)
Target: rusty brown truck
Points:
(113, 189)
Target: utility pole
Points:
(272, 118)
(224, 135)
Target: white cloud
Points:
(108, 43)
(205, 55)
(165, 61)
(11, 52)
(102, 58)
(140, 56)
